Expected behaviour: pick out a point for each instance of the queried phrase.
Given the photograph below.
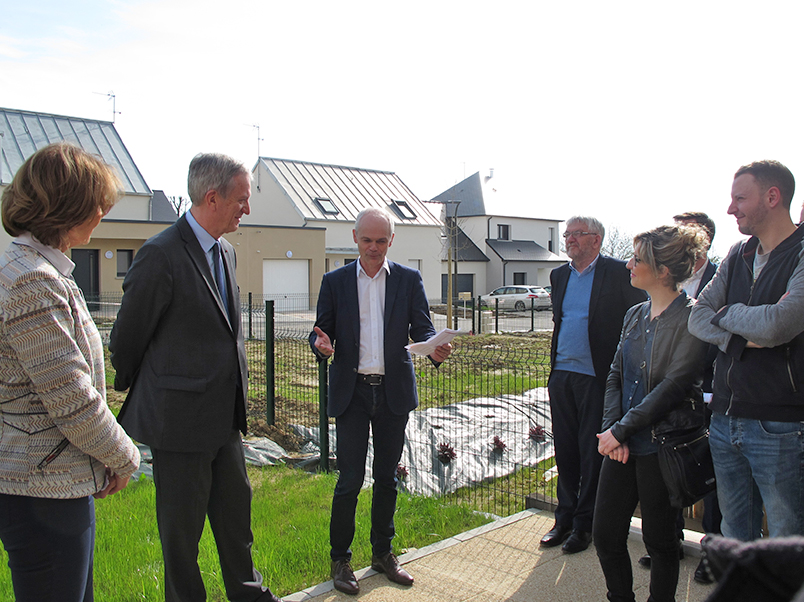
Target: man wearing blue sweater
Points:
(590, 297)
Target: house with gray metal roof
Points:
(306, 194)
(139, 214)
(494, 248)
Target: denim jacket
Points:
(672, 375)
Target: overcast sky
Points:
(629, 111)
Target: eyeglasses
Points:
(576, 234)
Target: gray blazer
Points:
(173, 346)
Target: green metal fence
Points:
(481, 434)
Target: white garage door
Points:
(286, 281)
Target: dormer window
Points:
(403, 210)
(326, 206)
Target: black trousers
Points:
(576, 405)
(621, 487)
(50, 545)
(191, 486)
(368, 408)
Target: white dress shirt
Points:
(690, 286)
(371, 305)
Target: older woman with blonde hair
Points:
(654, 388)
(60, 446)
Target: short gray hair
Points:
(212, 171)
(592, 223)
(375, 212)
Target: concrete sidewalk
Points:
(502, 561)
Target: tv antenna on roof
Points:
(256, 126)
(110, 94)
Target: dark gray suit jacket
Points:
(174, 346)
(407, 316)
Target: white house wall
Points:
(411, 243)
(479, 228)
(134, 208)
(270, 204)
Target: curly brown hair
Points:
(675, 247)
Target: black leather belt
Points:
(370, 379)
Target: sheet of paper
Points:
(440, 338)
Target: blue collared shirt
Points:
(207, 241)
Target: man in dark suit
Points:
(178, 346)
(367, 312)
(590, 298)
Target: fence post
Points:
(250, 312)
(270, 398)
(532, 314)
(496, 315)
(323, 420)
(479, 316)
(473, 316)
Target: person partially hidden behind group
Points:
(653, 388)
(60, 446)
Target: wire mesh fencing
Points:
(481, 435)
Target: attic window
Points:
(327, 206)
(403, 209)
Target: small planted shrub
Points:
(537, 434)
(446, 453)
(401, 472)
(498, 445)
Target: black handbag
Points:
(686, 466)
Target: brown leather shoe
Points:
(389, 564)
(343, 577)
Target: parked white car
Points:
(517, 297)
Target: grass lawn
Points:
(290, 520)
(290, 509)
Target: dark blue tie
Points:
(217, 261)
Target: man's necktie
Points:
(220, 280)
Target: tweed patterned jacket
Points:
(57, 434)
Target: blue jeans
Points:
(368, 407)
(50, 545)
(756, 462)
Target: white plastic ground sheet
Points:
(469, 427)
